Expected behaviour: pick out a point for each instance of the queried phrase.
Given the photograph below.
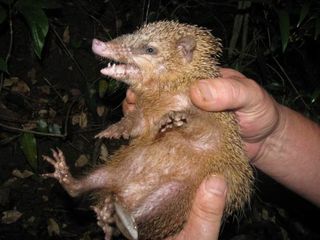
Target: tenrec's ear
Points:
(186, 46)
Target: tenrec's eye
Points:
(150, 50)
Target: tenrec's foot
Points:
(105, 213)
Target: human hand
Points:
(129, 102)
(257, 113)
(205, 217)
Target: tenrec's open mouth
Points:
(120, 71)
(118, 55)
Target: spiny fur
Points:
(230, 160)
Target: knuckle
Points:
(229, 92)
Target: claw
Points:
(49, 160)
(99, 135)
(47, 175)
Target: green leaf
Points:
(103, 87)
(3, 66)
(28, 145)
(304, 12)
(284, 24)
(3, 14)
(37, 21)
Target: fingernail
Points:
(205, 91)
(216, 185)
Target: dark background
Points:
(64, 84)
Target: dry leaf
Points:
(75, 119)
(100, 110)
(81, 161)
(25, 174)
(2, 106)
(104, 153)
(45, 89)
(29, 125)
(32, 76)
(45, 198)
(66, 35)
(9, 182)
(43, 100)
(43, 113)
(83, 121)
(80, 119)
(31, 219)
(21, 87)
(10, 216)
(8, 82)
(53, 227)
(65, 98)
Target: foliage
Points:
(28, 145)
(266, 39)
(32, 11)
(37, 20)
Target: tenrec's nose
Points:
(98, 46)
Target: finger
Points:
(231, 73)
(131, 97)
(221, 94)
(207, 211)
(129, 102)
(127, 107)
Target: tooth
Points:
(109, 64)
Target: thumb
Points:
(222, 93)
(207, 211)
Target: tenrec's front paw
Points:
(172, 119)
(62, 173)
(61, 170)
